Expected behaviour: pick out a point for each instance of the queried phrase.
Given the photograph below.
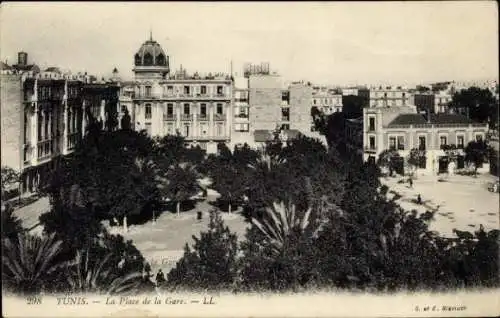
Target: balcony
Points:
(219, 117)
(186, 95)
(169, 117)
(370, 149)
(206, 138)
(242, 115)
(202, 117)
(220, 95)
(188, 117)
(44, 149)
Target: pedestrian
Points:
(419, 199)
(160, 278)
(410, 181)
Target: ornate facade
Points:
(196, 106)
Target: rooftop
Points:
(437, 119)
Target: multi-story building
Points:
(196, 106)
(44, 116)
(403, 128)
(433, 102)
(387, 96)
(327, 100)
(347, 91)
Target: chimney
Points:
(22, 58)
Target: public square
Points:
(462, 203)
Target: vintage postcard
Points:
(250, 159)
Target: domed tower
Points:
(151, 61)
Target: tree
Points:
(181, 185)
(475, 153)
(211, 263)
(352, 106)
(416, 157)
(386, 160)
(480, 104)
(28, 262)
(9, 178)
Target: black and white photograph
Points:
(250, 159)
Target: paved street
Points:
(464, 202)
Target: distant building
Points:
(433, 102)
(350, 91)
(327, 100)
(402, 129)
(44, 116)
(388, 96)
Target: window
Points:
(170, 109)
(186, 90)
(186, 109)
(220, 90)
(285, 114)
(186, 130)
(203, 110)
(124, 108)
(401, 143)
(372, 142)
(314, 101)
(241, 127)
(170, 90)
(148, 111)
(392, 143)
(148, 59)
(479, 138)
(371, 124)
(421, 142)
(203, 89)
(285, 127)
(442, 140)
(148, 91)
(460, 141)
(219, 109)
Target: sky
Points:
(336, 43)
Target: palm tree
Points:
(97, 276)
(28, 262)
(282, 221)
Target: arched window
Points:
(160, 59)
(148, 59)
(137, 59)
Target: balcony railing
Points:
(205, 137)
(220, 95)
(242, 115)
(186, 117)
(169, 117)
(186, 95)
(203, 117)
(219, 117)
(44, 149)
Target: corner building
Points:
(196, 106)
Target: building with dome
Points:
(163, 102)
